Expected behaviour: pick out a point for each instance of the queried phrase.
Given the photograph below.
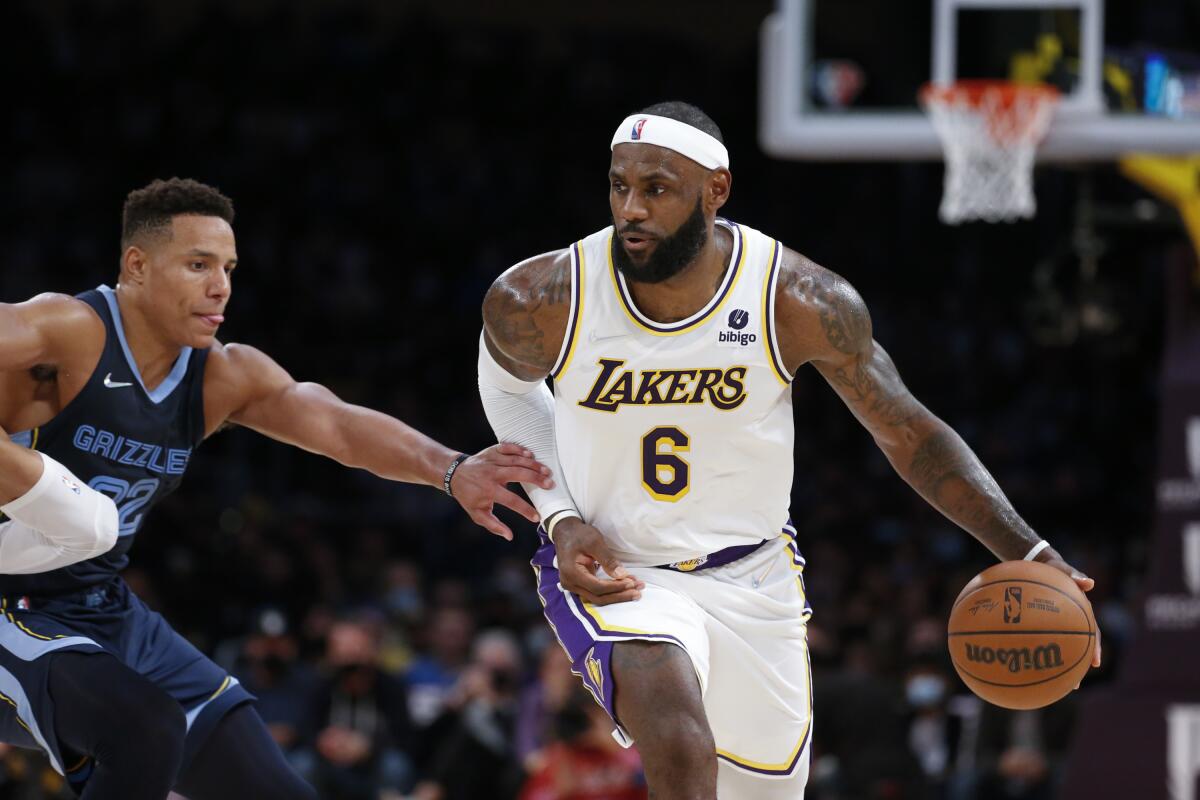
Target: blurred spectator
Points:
(477, 727)
(585, 763)
(541, 703)
(861, 752)
(270, 668)
(941, 727)
(363, 734)
(1021, 753)
(432, 675)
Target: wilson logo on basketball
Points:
(1012, 604)
(1017, 658)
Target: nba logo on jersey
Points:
(637, 129)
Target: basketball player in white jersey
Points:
(669, 568)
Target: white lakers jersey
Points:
(675, 439)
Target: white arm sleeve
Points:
(57, 522)
(522, 412)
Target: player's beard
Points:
(670, 255)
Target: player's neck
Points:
(153, 354)
(688, 291)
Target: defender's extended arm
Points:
(245, 386)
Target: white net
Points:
(990, 131)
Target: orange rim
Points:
(1006, 103)
(974, 91)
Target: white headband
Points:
(674, 135)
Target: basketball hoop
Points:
(990, 131)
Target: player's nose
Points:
(220, 286)
(632, 207)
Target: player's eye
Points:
(198, 265)
(617, 186)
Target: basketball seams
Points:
(1011, 690)
(1021, 633)
(1086, 614)
(1066, 672)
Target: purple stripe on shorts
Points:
(575, 637)
(591, 658)
(713, 560)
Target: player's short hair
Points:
(149, 210)
(687, 114)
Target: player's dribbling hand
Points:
(582, 553)
(481, 481)
(1084, 583)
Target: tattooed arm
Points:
(525, 315)
(525, 318)
(823, 321)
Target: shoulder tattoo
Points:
(526, 310)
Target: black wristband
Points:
(450, 472)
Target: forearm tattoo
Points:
(951, 477)
(926, 452)
(876, 394)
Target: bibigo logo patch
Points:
(736, 336)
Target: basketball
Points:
(1021, 634)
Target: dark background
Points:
(388, 160)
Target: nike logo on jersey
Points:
(594, 337)
(723, 388)
(109, 383)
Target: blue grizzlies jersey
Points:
(128, 442)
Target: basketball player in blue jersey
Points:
(113, 390)
(668, 565)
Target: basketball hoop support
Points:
(1175, 179)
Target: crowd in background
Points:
(386, 165)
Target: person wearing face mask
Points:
(269, 665)
(364, 733)
(477, 727)
(937, 723)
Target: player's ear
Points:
(133, 265)
(716, 188)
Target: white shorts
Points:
(743, 625)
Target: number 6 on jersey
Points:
(664, 474)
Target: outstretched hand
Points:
(481, 481)
(1084, 583)
(582, 553)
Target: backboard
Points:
(965, 36)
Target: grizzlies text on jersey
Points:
(128, 442)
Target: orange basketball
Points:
(1021, 634)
